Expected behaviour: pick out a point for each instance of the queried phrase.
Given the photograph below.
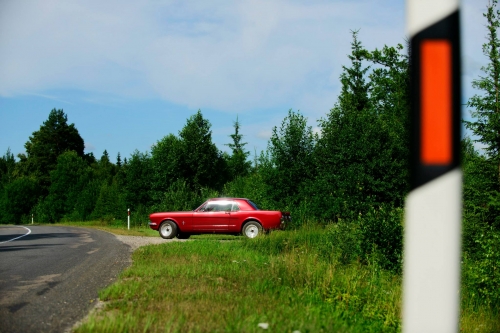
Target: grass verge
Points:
(285, 279)
(213, 286)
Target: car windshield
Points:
(253, 205)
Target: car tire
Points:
(182, 235)
(252, 229)
(168, 230)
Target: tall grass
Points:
(231, 286)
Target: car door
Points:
(213, 217)
(235, 218)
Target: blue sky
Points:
(127, 73)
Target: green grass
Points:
(476, 317)
(213, 286)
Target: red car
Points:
(219, 216)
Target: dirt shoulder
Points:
(137, 241)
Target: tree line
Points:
(358, 160)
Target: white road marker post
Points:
(128, 219)
(32, 218)
(431, 272)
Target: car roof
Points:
(222, 199)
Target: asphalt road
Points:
(49, 279)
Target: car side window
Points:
(220, 206)
(253, 205)
(210, 207)
(225, 206)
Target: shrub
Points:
(346, 241)
(382, 234)
(481, 271)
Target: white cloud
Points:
(89, 146)
(230, 56)
(222, 55)
(264, 134)
(317, 130)
(480, 147)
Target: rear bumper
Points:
(284, 221)
(153, 225)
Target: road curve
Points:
(49, 278)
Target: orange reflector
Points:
(436, 122)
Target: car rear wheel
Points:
(252, 229)
(168, 230)
(182, 235)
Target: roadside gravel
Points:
(137, 241)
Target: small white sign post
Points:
(128, 219)
(32, 217)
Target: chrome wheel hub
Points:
(251, 231)
(166, 229)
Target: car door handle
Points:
(228, 213)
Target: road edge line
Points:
(13, 239)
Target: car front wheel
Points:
(168, 230)
(252, 229)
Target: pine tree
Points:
(118, 161)
(361, 155)
(104, 169)
(355, 87)
(486, 125)
(341, 151)
(237, 162)
(7, 166)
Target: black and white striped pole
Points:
(431, 276)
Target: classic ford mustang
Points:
(220, 215)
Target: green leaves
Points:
(166, 156)
(290, 159)
(361, 158)
(481, 226)
(53, 138)
(138, 181)
(69, 178)
(481, 272)
(201, 162)
(17, 199)
(486, 106)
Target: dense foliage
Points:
(352, 175)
